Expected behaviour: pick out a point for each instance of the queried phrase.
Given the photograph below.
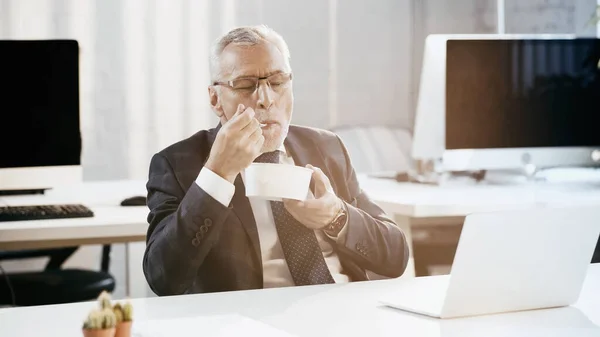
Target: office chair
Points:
(53, 285)
(376, 148)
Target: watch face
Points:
(338, 222)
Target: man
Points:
(205, 235)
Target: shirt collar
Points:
(282, 149)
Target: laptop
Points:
(508, 261)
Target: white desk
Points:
(414, 204)
(111, 223)
(328, 310)
(415, 207)
(457, 200)
(411, 205)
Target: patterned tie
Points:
(299, 243)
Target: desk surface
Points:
(458, 200)
(111, 223)
(328, 310)
(114, 223)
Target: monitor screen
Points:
(39, 103)
(522, 93)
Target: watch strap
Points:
(338, 222)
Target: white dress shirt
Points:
(275, 269)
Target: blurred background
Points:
(144, 69)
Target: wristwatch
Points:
(338, 222)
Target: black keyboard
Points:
(40, 212)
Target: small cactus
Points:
(110, 321)
(104, 300)
(124, 313)
(127, 312)
(93, 321)
(118, 310)
(99, 319)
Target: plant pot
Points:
(123, 329)
(99, 333)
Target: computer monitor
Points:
(40, 132)
(490, 102)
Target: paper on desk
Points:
(217, 325)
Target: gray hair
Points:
(249, 35)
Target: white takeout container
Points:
(277, 181)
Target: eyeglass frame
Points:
(229, 83)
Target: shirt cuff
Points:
(215, 186)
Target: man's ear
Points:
(215, 101)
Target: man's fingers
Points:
(241, 120)
(319, 183)
(256, 138)
(239, 110)
(293, 203)
(311, 204)
(251, 127)
(255, 135)
(322, 184)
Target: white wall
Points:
(350, 57)
(550, 16)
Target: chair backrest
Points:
(377, 148)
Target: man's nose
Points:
(265, 95)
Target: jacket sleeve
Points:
(183, 227)
(371, 239)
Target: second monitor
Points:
(508, 101)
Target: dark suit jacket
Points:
(195, 244)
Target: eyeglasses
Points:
(250, 84)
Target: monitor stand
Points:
(21, 192)
(528, 175)
(430, 172)
(524, 176)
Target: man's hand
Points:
(237, 144)
(318, 212)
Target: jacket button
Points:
(195, 242)
(198, 236)
(203, 229)
(208, 222)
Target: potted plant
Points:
(100, 323)
(108, 320)
(124, 315)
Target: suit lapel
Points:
(294, 145)
(304, 151)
